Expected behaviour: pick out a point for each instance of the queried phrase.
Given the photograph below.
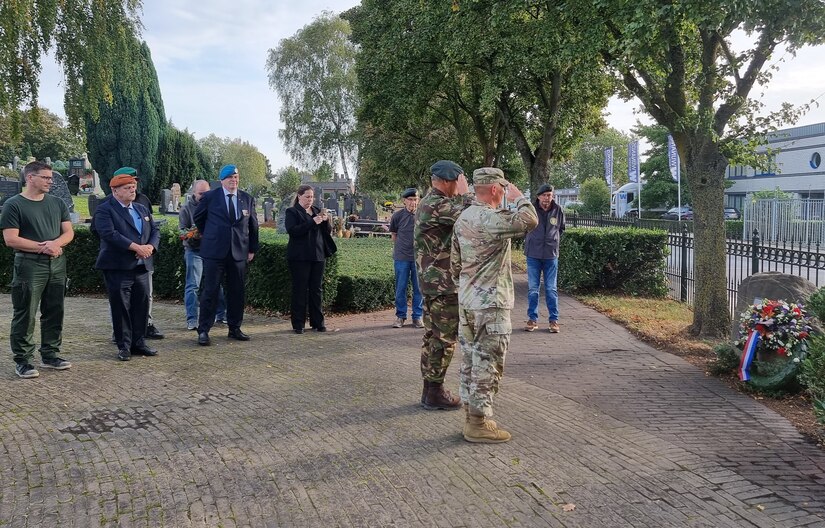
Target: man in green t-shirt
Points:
(36, 226)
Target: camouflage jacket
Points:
(434, 220)
(480, 261)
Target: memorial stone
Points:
(286, 203)
(61, 190)
(332, 205)
(319, 198)
(9, 188)
(368, 211)
(94, 201)
(176, 197)
(166, 205)
(771, 285)
(268, 211)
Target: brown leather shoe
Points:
(439, 398)
(553, 327)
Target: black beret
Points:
(446, 170)
(409, 193)
(544, 188)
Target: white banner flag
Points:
(608, 166)
(672, 158)
(633, 161)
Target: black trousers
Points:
(129, 299)
(233, 274)
(307, 280)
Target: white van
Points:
(621, 202)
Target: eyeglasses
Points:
(47, 178)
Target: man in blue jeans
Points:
(402, 226)
(541, 246)
(194, 262)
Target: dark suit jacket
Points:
(307, 240)
(114, 226)
(220, 236)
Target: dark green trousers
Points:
(38, 282)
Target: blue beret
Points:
(227, 171)
(446, 170)
(129, 171)
(409, 193)
(544, 188)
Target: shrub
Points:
(595, 195)
(816, 305)
(626, 260)
(733, 229)
(812, 374)
(727, 359)
(366, 276)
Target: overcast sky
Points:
(211, 56)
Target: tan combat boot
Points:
(439, 398)
(480, 430)
(467, 416)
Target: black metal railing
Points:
(743, 258)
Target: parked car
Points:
(674, 214)
(732, 213)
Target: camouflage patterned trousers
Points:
(440, 334)
(484, 336)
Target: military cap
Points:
(129, 171)
(546, 187)
(446, 170)
(227, 171)
(122, 179)
(488, 175)
(409, 193)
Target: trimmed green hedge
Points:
(366, 274)
(626, 260)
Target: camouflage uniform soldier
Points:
(434, 221)
(481, 267)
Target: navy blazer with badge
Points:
(219, 235)
(116, 229)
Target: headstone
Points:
(16, 163)
(268, 211)
(771, 285)
(166, 204)
(368, 212)
(285, 204)
(319, 198)
(349, 205)
(332, 205)
(61, 190)
(9, 188)
(93, 203)
(176, 196)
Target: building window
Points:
(736, 200)
(816, 160)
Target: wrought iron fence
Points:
(743, 257)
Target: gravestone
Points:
(94, 201)
(332, 205)
(349, 205)
(9, 188)
(176, 197)
(368, 212)
(771, 285)
(61, 190)
(319, 198)
(166, 204)
(268, 211)
(286, 203)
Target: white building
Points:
(795, 166)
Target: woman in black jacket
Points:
(310, 243)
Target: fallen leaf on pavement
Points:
(568, 507)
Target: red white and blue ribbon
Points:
(748, 353)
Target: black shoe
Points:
(298, 330)
(236, 333)
(56, 363)
(144, 351)
(124, 355)
(24, 370)
(321, 329)
(152, 332)
(203, 339)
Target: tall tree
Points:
(42, 133)
(313, 75)
(214, 147)
(89, 38)
(128, 131)
(679, 60)
(179, 160)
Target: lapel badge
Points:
(245, 212)
(145, 218)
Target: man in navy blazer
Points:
(228, 224)
(128, 239)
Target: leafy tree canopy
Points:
(42, 134)
(595, 196)
(252, 165)
(88, 37)
(587, 160)
(313, 74)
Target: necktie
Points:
(136, 220)
(232, 214)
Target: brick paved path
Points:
(324, 430)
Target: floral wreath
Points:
(774, 326)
